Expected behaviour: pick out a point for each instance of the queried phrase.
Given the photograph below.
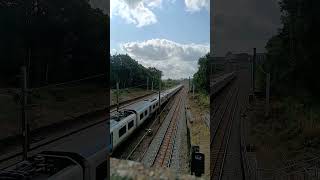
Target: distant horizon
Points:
(162, 77)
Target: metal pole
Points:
(189, 87)
(254, 69)
(193, 90)
(25, 125)
(159, 98)
(117, 96)
(29, 66)
(267, 94)
(152, 86)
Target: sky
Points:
(241, 25)
(170, 35)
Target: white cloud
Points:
(136, 12)
(174, 59)
(113, 51)
(197, 5)
(154, 3)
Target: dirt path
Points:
(199, 131)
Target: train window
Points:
(150, 108)
(146, 112)
(141, 116)
(130, 124)
(122, 131)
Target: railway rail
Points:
(42, 137)
(223, 118)
(136, 144)
(140, 146)
(164, 152)
(88, 158)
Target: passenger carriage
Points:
(123, 124)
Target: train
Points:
(219, 83)
(85, 154)
(82, 156)
(60, 165)
(124, 123)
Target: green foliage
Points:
(293, 53)
(203, 100)
(67, 39)
(201, 77)
(129, 73)
(169, 83)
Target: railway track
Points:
(141, 147)
(223, 119)
(43, 138)
(164, 152)
(220, 98)
(216, 100)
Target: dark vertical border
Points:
(108, 87)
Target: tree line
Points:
(292, 54)
(56, 40)
(201, 78)
(129, 73)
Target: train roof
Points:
(86, 142)
(152, 98)
(139, 106)
(117, 118)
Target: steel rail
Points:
(220, 104)
(221, 117)
(141, 140)
(228, 140)
(167, 132)
(223, 129)
(15, 155)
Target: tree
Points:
(201, 77)
(129, 73)
(292, 55)
(68, 37)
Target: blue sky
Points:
(167, 34)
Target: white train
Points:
(130, 118)
(219, 83)
(85, 155)
(82, 156)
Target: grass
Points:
(126, 94)
(292, 130)
(203, 100)
(199, 132)
(51, 105)
(54, 104)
